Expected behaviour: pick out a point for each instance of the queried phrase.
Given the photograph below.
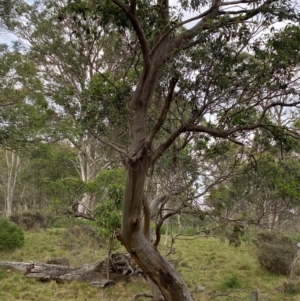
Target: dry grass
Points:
(221, 269)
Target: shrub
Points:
(29, 220)
(275, 252)
(231, 281)
(11, 236)
(235, 235)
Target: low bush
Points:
(235, 235)
(30, 220)
(231, 281)
(11, 236)
(275, 252)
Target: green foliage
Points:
(21, 96)
(235, 235)
(275, 252)
(108, 181)
(30, 220)
(101, 93)
(108, 215)
(11, 236)
(284, 46)
(231, 281)
(108, 218)
(225, 72)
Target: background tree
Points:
(24, 113)
(68, 53)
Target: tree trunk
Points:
(156, 267)
(273, 215)
(13, 164)
(86, 158)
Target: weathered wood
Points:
(19, 266)
(120, 264)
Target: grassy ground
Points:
(225, 272)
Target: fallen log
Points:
(120, 265)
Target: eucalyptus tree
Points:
(204, 79)
(214, 73)
(215, 69)
(71, 56)
(23, 114)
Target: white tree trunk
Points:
(13, 161)
(86, 158)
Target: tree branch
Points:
(115, 147)
(160, 200)
(164, 111)
(212, 14)
(214, 132)
(161, 221)
(131, 13)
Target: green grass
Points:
(208, 262)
